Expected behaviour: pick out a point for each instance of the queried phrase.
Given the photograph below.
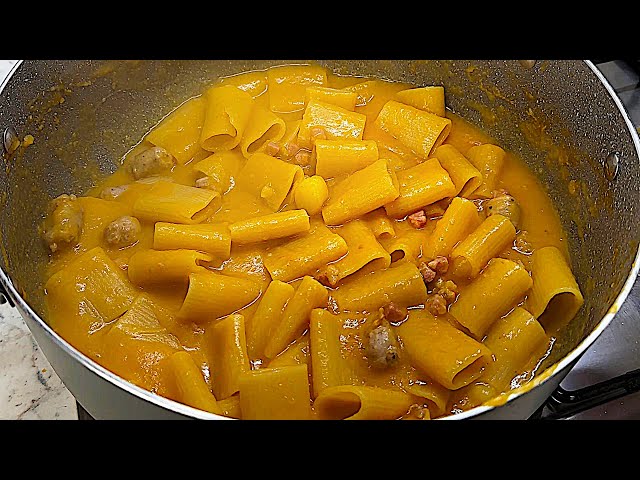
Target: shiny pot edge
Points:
(48, 339)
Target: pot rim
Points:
(188, 411)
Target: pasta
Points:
(493, 293)
(402, 285)
(275, 394)
(441, 351)
(298, 244)
(305, 254)
(464, 175)
(220, 170)
(489, 160)
(430, 99)
(360, 193)
(341, 98)
(227, 113)
(335, 122)
(269, 179)
(421, 185)
(212, 295)
(458, 221)
(421, 131)
(309, 295)
(267, 316)
(170, 202)
(493, 236)
(343, 157)
(329, 367)
(361, 403)
(148, 267)
(364, 253)
(192, 389)
(555, 296)
(214, 239)
(269, 227)
(226, 350)
(296, 354)
(179, 132)
(136, 341)
(288, 85)
(263, 127)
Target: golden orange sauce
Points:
(538, 218)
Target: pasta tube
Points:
(464, 175)
(276, 394)
(421, 185)
(179, 132)
(329, 367)
(157, 267)
(491, 238)
(305, 254)
(340, 98)
(489, 160)
(268, 178)
(364, 254)
(421, 131)
(192, 389)
(269, 227)
(263, 127)
(459, 220)
(212, 295)
(310, 294)
(402, 285)
(227, 114)
(214, 239)
(175, 203)
(267, 317)
(350, 402)
(555, 297)
(226, 350)
(441, 351)
(491, 295)
(288, 85)
(360, 193)
(343, 157)
(335, 122)
(430, 99)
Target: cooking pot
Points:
(561, 117)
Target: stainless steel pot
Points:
(562, 117)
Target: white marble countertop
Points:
(29, 387)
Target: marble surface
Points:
(29, 387)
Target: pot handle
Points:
(5, 297)
(566, 403)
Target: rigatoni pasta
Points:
(419, 186)
(419, 130)
(555, 297)
(227, 113)
(343, 157)
(442, 351)
(360, 193)
(500, 286)
(296, 244)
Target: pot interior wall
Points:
(557, 116)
